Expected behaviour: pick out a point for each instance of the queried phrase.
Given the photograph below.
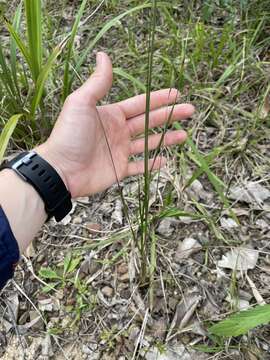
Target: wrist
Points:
(44, 151)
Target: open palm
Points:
(91, 146)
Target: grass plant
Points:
(217, 55)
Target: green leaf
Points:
(70, 264)
(137, 83)
(6, 78)
(7, 132)
(19, 43)
(48, 273)
(241, 323)
(13, 47)
(43, 77)
(46, 289)
(34, 31)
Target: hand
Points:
(90, 145)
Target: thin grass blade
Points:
(7, 133)
(137, 83)
(34, 31)
(20, 44)
(70, 50)
(13, 48)
(5, 74)
(44, 75)
(145, 225)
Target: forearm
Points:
(23, 207)
(22, 204)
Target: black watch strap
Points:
(45, 179)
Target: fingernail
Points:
(99, 58)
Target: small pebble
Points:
(107, 291)
(122, 268)
(77, 220)
(93, 228)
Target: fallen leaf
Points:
(13, 306)
(186, 248)
(184, 311)
(251, 193)
(93, 228)
(239, 259)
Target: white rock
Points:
(186, 248)
(262, 224)
(239, 259)
(243, 304)
(228, 223)
(165, 227)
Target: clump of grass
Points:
(25, 72)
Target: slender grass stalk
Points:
(153, 265)
(34, 31)
(13, 47)
(145, 228)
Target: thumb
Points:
(100, 82)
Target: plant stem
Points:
(145, 233)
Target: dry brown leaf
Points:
(239, 259)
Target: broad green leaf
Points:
(7, 132)
(242, 322)
(48, 273)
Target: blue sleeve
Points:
(9, 250)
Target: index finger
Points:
(137, 105)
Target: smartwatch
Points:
(36, 171)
